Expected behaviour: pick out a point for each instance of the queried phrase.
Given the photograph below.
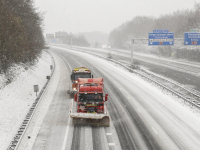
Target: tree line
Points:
(69, 38)
(21, 38)
(178, 22)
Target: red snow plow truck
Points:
(90, 103)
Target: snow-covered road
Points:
(182, 71)
(142, 115)
(159, 116)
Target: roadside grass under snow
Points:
(17, 97)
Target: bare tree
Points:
(21, 38)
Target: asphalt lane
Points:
(57, 130)
(52, 131)
(90, 137)
(132, 141)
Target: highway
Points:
(182, 71)
(142, 115)
(183, 66)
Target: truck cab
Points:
(81, 72)
(90, 97)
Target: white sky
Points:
(102, 15)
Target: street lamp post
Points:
(71, 41)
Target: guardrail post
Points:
(51, 67)
(132, 51)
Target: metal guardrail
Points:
(194, 93)
(163, 86)
(20, 133)
(152, 80)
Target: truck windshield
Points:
(75, 76)
(89, 98)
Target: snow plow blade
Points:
(90, 119)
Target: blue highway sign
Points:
(161, 38)
(192, 38)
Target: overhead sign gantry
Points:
(164, 37)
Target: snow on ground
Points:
(17, 97)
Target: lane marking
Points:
(66, 133)
(108, 133)
(111, 144)
(154, 130)
(139, 110)
(87, 145)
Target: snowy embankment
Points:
(17, 97)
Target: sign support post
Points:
(132, 52)
(71, 42)
(36, 89)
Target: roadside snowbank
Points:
(17, 97)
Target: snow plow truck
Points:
(81, 72)
(91, 108)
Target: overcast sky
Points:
(102, 15)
